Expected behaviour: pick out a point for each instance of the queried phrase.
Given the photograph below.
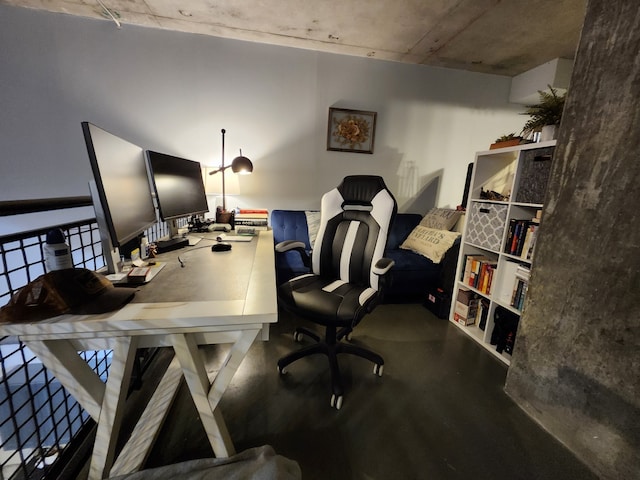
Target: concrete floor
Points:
(438, 412)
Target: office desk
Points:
(200, 297)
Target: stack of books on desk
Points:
(256, 219)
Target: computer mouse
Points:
(221, 247)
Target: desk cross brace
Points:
(105, 402)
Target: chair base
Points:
(331, 347)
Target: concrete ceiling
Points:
(504, 37)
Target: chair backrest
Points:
(354, 225)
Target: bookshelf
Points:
(507, 191)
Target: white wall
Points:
(174, 92)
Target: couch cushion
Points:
(402, 226)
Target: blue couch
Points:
(413, 275)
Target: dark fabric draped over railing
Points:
(20, 207)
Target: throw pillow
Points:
(441, 218)
(313, 225)
(430, 242)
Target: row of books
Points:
(256, 219)
(478, 273)
(521, 237)
(520, 287)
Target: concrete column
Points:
(576, 366)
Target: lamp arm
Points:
(217, 170)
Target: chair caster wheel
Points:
(297, 336)
(336, 401)
(377, 369)
(282, 370)
(348, 336)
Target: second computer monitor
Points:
(178, 186)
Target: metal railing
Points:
(39, 419)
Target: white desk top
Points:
(213, 290)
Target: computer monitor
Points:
(121, 191)
(179, 188)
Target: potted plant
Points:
(544, 115)
(508, 140)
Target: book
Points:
(487, 277)
(525, 252)
(521, 238)
(520, 286)
(251, 222)
(482, 266)
(517, 236)
(478, 272)
(240, 230)
(532, 244)
(524, 244)
(514, 240)
(475, 271)
(466, 306)
(467, 269)
(254, 228)
(138, 275)
(243, 211)
(523, 272)
(251, 215)
(538, 216)
(519, 293)
(510, 231)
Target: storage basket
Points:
(486, 225)
(535, 168)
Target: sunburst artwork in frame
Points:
(351, 130)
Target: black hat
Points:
(71, 290)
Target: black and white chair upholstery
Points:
(348, 272)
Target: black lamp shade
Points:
(241, 165)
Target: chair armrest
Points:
(295, 245)
(383, 265)
(287, 245)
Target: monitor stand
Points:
(175, 241)
(172, 244)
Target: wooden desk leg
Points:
(137, 448)
(124, 353)
(103, 403)
(205, 398)
(230, 365)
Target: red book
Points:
(253, 210)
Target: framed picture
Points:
(351, 130)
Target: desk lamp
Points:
(241, 165)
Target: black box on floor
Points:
(438, 302)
